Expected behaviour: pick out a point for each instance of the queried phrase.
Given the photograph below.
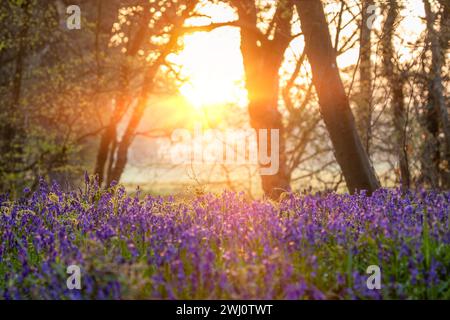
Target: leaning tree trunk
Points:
(107, 146)
(334, 105)
(119, 154)
(121, 157)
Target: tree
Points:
(364, 111)
(396, 82)
(13, 131)
(437, 113)
(112, 154)
(38, 68)
(334, 105)
(263, 55)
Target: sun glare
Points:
(213, 65)
(212, 62)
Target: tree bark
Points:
(334, 105)
(14, 133)
(437, 93)
(120, 157)
(396, 83)
(364, 111)
(262, 60)
(106, 149)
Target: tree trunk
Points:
(333, 101)
(364, 111)
(106, 150)
(437, 95)
(121, 157)
(13, 131)
(121, 148)
(396, 83)
(262, 59)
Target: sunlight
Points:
(212, 62)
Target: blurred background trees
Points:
(106, 97)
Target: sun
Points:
(211, 62)
(213, 65)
